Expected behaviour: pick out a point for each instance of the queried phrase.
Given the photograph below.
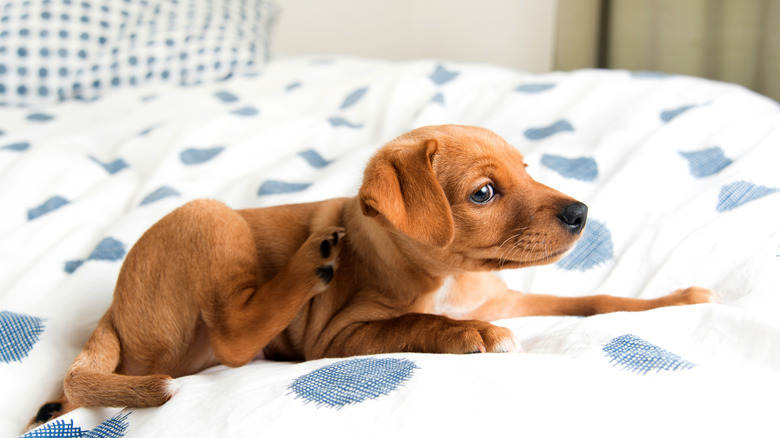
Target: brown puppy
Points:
(439, 208)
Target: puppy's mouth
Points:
(545, 259)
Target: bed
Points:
(680, 175)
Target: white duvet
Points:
(680, 174)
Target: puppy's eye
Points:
(484, 195)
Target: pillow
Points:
(78, 49)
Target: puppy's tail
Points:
(92, 379)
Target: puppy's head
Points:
(463, 192)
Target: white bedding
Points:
(680, 174)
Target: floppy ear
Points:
(400, 185)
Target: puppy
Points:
(405, 266)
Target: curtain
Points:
(729, 40)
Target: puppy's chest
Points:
(453, 299)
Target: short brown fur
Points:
(405, 266)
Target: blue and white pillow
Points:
(53, 50)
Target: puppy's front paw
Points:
(327, 243)
(479, 337)
(691, 295)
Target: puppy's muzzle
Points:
(574, 216)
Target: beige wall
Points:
(515, 33)
(730, 40)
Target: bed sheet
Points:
(680, 175)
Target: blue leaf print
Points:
(740, 193)
(161, 193)
(438, 98)
(48, 206)
(706, 162)
(353, 97)
(226, 97)
(340, 121)
(109, 250)
(669, 115)
(195, 156)
(534, 88)
(18, 335)
(314, 159)
(352, 381)
(246, 111)
(441, 75)
(113, 166)
(148, 130)
(637, 355)
(114, 427)
(273, 187)
(40, 117)
(56, 429)
(547, 131)
(583, 168)
(594, 248)
(17, 147)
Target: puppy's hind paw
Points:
(328, 252)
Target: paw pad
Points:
(325, 273)
(328, 252)
(325, 249)
(327, 244)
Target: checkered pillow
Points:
(78, 49)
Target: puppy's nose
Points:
(574, 217)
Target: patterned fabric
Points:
(109, 249)
(114, 427)
(353, 381)
(706, 162)
(679, 175)
(593, 249)
(635, 354)
(739, 193)
(542, 132)
(56, 429)
(583, 169)
(62, 49)
(18, 335)
(48, 206)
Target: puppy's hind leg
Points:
(242, 322)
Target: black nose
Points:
(574, 217)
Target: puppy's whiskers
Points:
(506, 252)
(511, 254)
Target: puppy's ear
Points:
(399, 184)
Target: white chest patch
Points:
(442, 299)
